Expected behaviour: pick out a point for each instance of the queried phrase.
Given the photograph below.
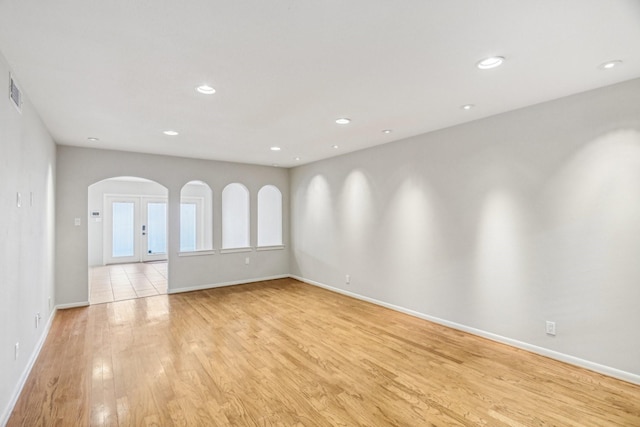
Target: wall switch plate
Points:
(551, 328)
(18, 199)
(37, 320)
(247, 261)
(16, 351)
(77, 222)
(347, 279)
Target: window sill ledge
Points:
(270, 248)
(235, 250)
(197, 253)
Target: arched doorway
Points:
(127, 239)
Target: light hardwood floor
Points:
(289, 354)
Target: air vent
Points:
(15, 94)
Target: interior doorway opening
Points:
(127, 247)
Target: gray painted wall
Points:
(497, 225)
(78, 168)
(27, 166)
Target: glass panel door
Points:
(121, 237)
(135, 229)
(154, 230)
(123, 228)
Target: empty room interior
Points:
(320, 213)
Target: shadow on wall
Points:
(593, 216)
(316, 212)
(601, 180)
(573, 244)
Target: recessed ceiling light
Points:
(491, 62)
(335, 146)
(206, 89)
(93, 139)
(387, 131)
(275, 148)
(467, 106)
(343, 121)
(170, 132)
(275, 165)
(297, 159)
(611, 64)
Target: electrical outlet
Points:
(50, 307)
(17, 351)
(247, 260)
(551, 328)
(37, 320)
(347, 279)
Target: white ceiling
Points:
(284, 70)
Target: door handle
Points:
(144, 229)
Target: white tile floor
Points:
(127, 281)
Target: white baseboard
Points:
(223, 284)
(72, 305)
(572, 360)
(4, 419)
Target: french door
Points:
(135, 229)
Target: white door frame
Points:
(140, 235)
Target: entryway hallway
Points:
(127, 281)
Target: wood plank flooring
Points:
(289, 354)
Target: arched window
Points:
(235, 216)
(269, 216)
(196, 217)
